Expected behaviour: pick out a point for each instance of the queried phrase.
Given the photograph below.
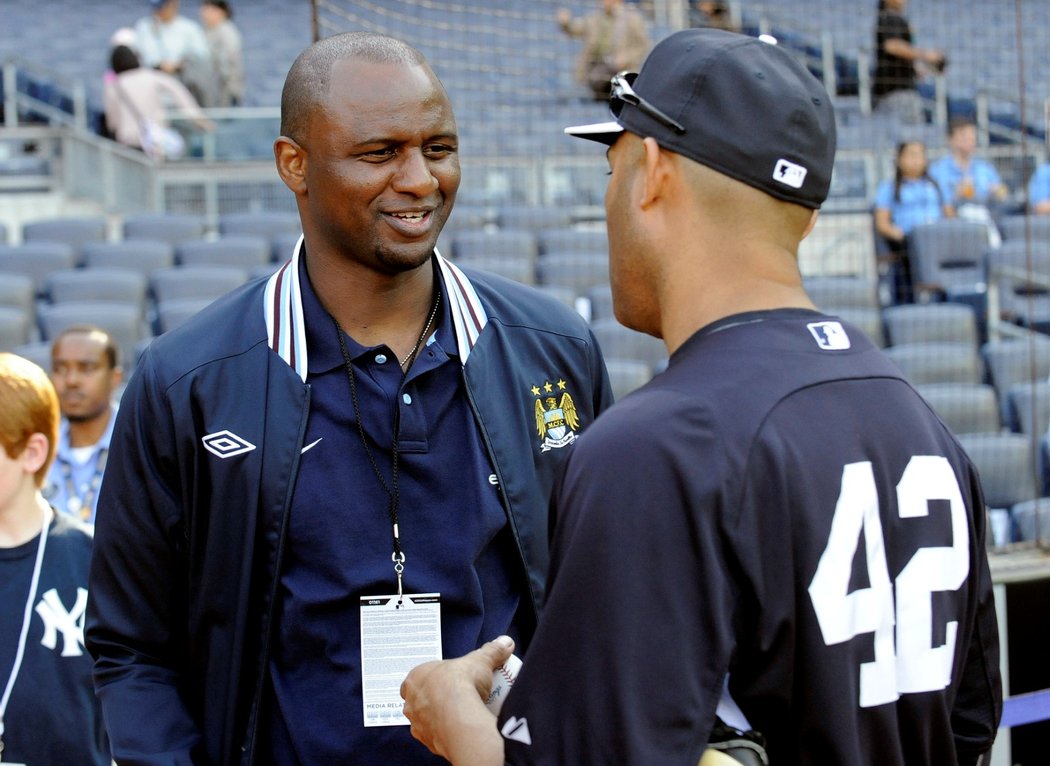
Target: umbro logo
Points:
(226, 444)
(517, 730)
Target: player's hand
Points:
(445, 702)
(563, 16)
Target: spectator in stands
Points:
(176, 45)
(911, 197)
(898, 64)
(48, 710)
(615, 38)
(1039, 190)
(227, 54)
(964, 178)
(86, 371)
(274, 453)
(136, 106)
(712, 13)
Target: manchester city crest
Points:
(556, 419)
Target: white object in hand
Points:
(502, 679)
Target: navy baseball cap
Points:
(737, 104)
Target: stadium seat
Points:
(202, 282)
(578, 271)
(72, 231)
(1021, 300)
(1010, 361)
(16, 291)
(498, 243)
(1031, 520)
(601, 301)
(1029, 407)
(15, 328)
(36, 351)
(37, 260)
(1007, 467)
(573, 240)
(832, 293)
(106, 285)
(518, 269)
(239, 252)
(930, 323)
(947, 256)
(1015, 228)
(966, 408)
(535, 218)
(282, 247)
(937, 362)
(122, 320)
(170, 314)
(166, 227)
(619, 342)
(867, 320)
(626, 375)
(141, 255)
(264, 223)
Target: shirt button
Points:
(406, 398)
(380, 358)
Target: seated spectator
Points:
(227, 54)
(49, 711)
(615, 38)
(136, 102)
(176, 45)
(901, 204)
(1039, 190)
(969, 183)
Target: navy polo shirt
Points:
(453, 530)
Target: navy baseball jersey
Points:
(781, 515)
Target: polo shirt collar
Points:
(286, 321)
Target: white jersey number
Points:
(914, 664)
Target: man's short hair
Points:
(30, 407)
(961, 121)
(309, 78)
(111, 350)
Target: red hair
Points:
(30, 407)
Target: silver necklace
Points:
(430, 321)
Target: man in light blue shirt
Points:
(86, 372)
(175, 44)
(965, 179)
(1039, 190)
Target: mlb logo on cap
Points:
(789, 173)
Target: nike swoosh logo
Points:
(311, 445)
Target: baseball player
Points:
(777, 528)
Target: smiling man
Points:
(336, 473)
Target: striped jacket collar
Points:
(285, 328)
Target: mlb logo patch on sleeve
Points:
(830, 336)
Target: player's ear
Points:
(291, 163)
(656, 166)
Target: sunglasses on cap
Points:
(622, 93)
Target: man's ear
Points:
(654, 173)
(291, 163)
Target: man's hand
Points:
(445, 701)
